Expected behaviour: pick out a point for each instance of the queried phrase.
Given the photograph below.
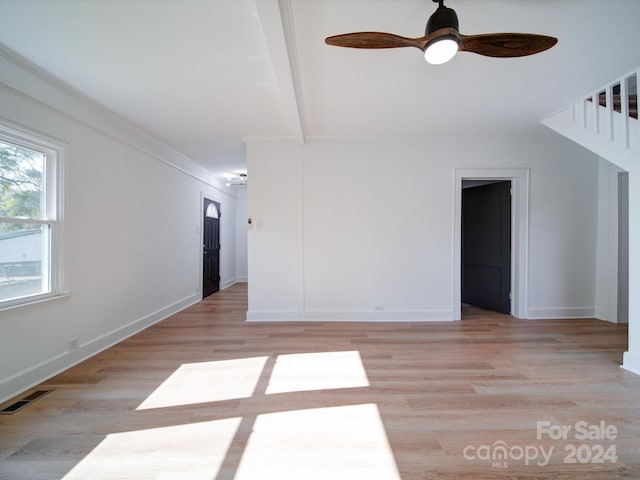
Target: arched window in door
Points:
(212, 211)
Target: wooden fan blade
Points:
(375, 40)
(506, 44)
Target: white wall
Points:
(228, 249)
(133, 227)
(274, 240)
(363, 228)
(241, 234)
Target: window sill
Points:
(34, 305)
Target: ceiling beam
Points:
(277, 25)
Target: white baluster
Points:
(595, 101)
(624, 107)
(634, 134)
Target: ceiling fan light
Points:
(441, 51)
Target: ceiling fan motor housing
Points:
(443, 17)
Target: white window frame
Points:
(54, 152)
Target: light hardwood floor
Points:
(204, 395)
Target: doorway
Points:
(519, 178)
(211, 248)
(486, 244)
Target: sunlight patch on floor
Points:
(317, 371)
(184, 452)
(207, 382)
(347, 442)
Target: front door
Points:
(211, 248)
(486, 246)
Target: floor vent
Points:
(20, 404)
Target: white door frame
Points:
(519, 233)
(622, 310)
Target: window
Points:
(212, 211)
(31, 255)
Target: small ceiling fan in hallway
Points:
(442, 40)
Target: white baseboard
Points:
(232, 282)
(35, 375)
(350, 316)
(273, 316)
(39, 373)
(631, 362)
(560, 313)
(227, 284)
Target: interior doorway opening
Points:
(486, 244)
(519, 178)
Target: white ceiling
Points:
(206, 75)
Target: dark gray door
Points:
(211, 248)
(486, 246)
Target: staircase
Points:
(605, 122)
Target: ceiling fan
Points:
(442, 40)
